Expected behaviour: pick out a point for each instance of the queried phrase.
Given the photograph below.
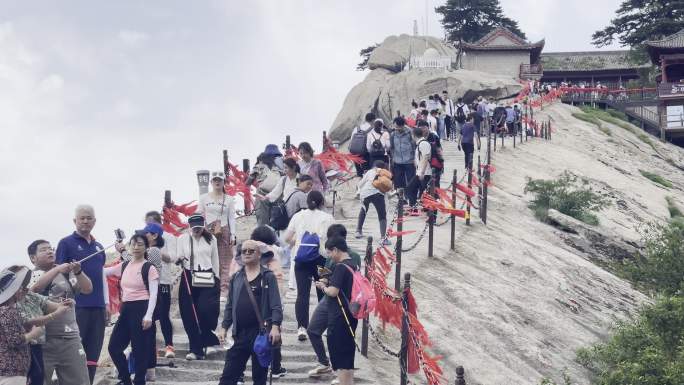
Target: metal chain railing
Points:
(420, 238)
(382, 344)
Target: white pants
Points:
(16, 380)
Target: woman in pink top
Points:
(139, 281)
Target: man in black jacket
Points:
(241, 314)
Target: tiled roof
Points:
(676, 40)
(587, 61)
(518, 43)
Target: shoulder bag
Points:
(199, 278)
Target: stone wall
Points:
(505, 63)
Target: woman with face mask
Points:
(139, 282)
(198, 294)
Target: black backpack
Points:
(460, 114)
(145, 274)
(377, 149)
(279, 219)
(357, 145)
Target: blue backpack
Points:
(308, 248)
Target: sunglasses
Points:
(248, 251)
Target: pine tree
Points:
(365, 55)
(470, 20)
(637, 21)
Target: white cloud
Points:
(133, 38)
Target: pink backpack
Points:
(362, 301)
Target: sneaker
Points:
(192, 357)
(170, 352)
(241, 380)
(335, 382)
(151, 375)
(320, 370)
(358, 235)
(277, 373)
(301, 334)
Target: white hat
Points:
(11, 282)
(218, 174)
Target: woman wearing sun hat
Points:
(14, 341)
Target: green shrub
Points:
(566, 379)
(661, 267)
(593, 120)
(566, 195)
(672, 207)
(647, 351)
(655, 178)
(617, 114)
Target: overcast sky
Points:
(112, 102)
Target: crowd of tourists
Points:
(54, 313)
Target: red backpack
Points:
(362, 301)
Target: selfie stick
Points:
(118, 233)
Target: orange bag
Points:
(383, 181)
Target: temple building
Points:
(609, 68)
(503, 52)
(668, 54)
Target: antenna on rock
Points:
(415, 27)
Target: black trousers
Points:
(161, 313)
(416, 187)
(468, 150)
(402, 174)
(449, 126)
(205, 301)
(91, 327)
(237, 356)
(305, 274)
(378, 200)
(35, 373)
(128, 330)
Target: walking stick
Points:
(344, 313)
(192, 301)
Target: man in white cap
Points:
(14, 348)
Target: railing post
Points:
(287, 144)
(226, 167)
(245, 169)
(479, 187)
(403, 354)
(431, 222)
(453, 205)
(521, 133)
(325, 141)
(400, 240)
(534, 133)
(469, 200)
(364, 329)
(549, 133)
(460, 377)
(167, 198)
(514, 134)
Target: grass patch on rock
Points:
(567, 194)
(655, 178)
